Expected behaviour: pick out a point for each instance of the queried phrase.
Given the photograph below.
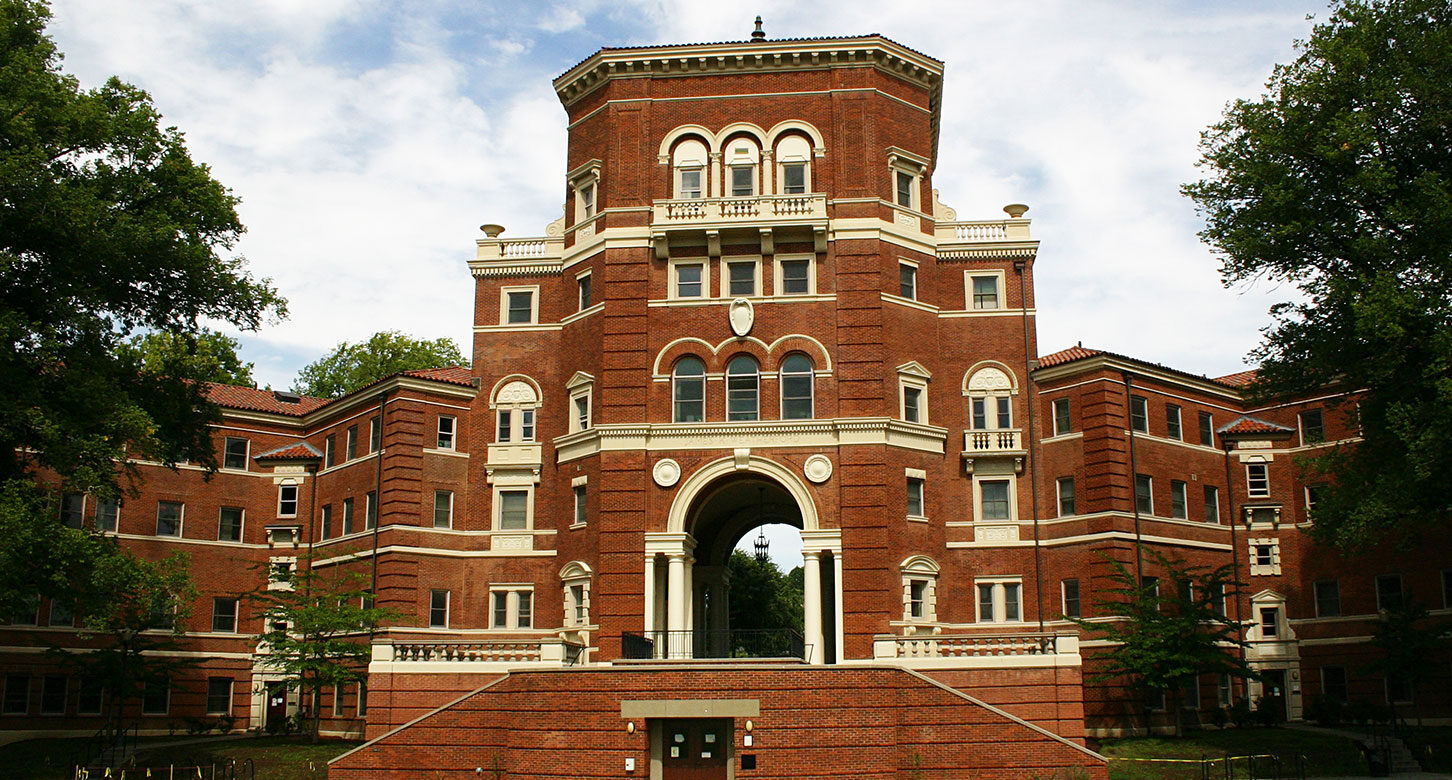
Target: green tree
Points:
(1410, 644)
(1168, 631)
(764, 598)
(107, 228)
(351, 366)
(318, 628)
(205, 355)
(1338, 181)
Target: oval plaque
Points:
(818, 468)
(742, 315)
(666, 472)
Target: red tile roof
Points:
(1252, 426)
(1238, 379)
(299, 451)
(1081, 352)
(454, 375)
(1067, 356)
(255, 400)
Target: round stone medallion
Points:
(818, 468)
(666, 472)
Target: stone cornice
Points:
(765, 433)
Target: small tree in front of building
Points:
(317, 629)
(1167, 630)
(1412, 646)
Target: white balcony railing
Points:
(753, 208)
(978, 649)
(1005, 440)
(983, 230)
(551, 651)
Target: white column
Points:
(649, 594)
(676, 596)
(837, 604)
(812, 603)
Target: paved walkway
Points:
(1395, 776)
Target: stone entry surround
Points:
(805, 722)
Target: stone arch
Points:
(739, 128)
(790, 125)
(512, 389)
(797, 342)
(918, 564)
(989, 376)
(682, 132)
(693, 486)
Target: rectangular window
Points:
(156, 697)
(985, 603)
(499, 611)
(1150, 585)
(1388, 591)
(73, 509)
(1012, 611)
(582, 412)
(794, 178)
(1144, 499)
(1257, 480)
(438, 609)
(234, 454)
(1190, 693)
(1179, 507)
(580, 506)
(362, 698)
(169, 518)
(1212, 504)
(338, 692)
(1328, 598)
(375, 433)
(446, 432)
(513, 510)
(1207, 429)
(795, 277)
(1270, 622)
(524, 617)
(1313, 427)
(690, 183)
(1066, 496)
(370, 510)
(350, 443)
(985, 292)
(330, 451)
(61, 613)
(1062, 423)
(1265, 555)
(326, 531)
(520, 309)
(106, 511)
(229, 524)
(1071, 599)
(1333, 683)
(1314, 493)
(53, 695)
(741, 278)
(17, 694)
(995, 499)
(903, 184)
(1172, 422)
(689, 280)
(915, 497)
(287, 500)
(90, 697)
(347, 515)
(587, 201)
(224, 615)
(219, 695)
(907, 278)
(1139, 414)
(443, 509)
(584, 284)
(1223, 690)
(741, 181)
(917, 599)
(912, 404)
(504, 425)
(1005, 411)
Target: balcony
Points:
(987, 238)
(979, 650)
(993, 443)
(405, 656)
(716, 644)
(759, 214)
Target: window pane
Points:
(513, 510)
(526, 425)
(287, 500)
(224, 615)
(235, 456)
(1143, 494)
(688, 281)
(908, 281)
(521, 307)
(500, 616)
(106, 511)
(1328, 598)
(1172, 421)
(229, 524)
(995, 499)
(1177, 500)
(915, 497)
(439, 608)
(1005, 411)
(1257, 478)
(446, 433)
(73, 509)
(1312, 428)
(219, 695)
(526, 607)
(742, 278)
(911, 398)
(1062, 423)
(980, 414)
(690, 183)
(690, 391)
(1139, 414)
(350, 448)
(741, 389)
(741, 176)
(1066, 496)
(585, 291)
(796, 388)
(1011, 610)
(794, 178)
(1212, 504)
(904, 189)
(168, 518)
(985, 292)
(794, 277)
(985, 603)
(1071, 598)
(1207, 429)
(443, 509)
(581, 506)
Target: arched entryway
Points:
(687, 594)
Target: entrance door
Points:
(276, 707)
(696, 749)
(1273, 696)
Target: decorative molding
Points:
(664, 437)
(666, 472)
(818, 469)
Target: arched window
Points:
(688, 163)
(743, 160)
(742, 385)
(990, 392)
(793, 165)
(796, 387)
(515, 404)
(688, 390)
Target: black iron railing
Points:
(730, 643)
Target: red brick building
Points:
(754, 310)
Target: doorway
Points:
(696, 748)
(1273, 693)
(276, 712)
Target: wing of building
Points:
(755, 309)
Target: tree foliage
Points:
(1339, 181)
(762, 596)
(107, 227)
(1410, 644)
(205, 355)
(351, 366)
(1170, 631)
(318, 628)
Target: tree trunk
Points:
(1179, 718)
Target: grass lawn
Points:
(1328, 755)
(273, 758)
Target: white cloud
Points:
(369, 142)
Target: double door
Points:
(696, 748)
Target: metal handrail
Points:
(713, 643)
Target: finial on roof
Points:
(758, 34)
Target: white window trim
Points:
(674, 281)
(1212, 428)
(511, 619)
(968, 289)
(1012, 480)
(533, 290)
(246, 452)
(181, 521)
(1184, 499)
(1000, 599)
(1054, 415)
(1064, 596)
(702, 378)
(781, 400)
(777, 279)
(1259, 569)
(916, 376)
(781, 162)
(1251, 492)
(579, 484)
(1179, 421)
(496, 505)
(1059, 496)
(917, 279)
(919, 568)
(725, 281)
(1301, 427)
(581, 179)
(435, 520)
(241, 524)
(453, 432)
(1151, 495)
(901, 160)
(296, 497)
(922, 477)
(448, 607)
(574, 574)
(580, 278)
